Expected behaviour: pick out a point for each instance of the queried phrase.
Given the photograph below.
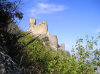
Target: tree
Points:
(9, 11)
(9, 31)
(83, 53)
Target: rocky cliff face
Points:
(42, 29)
(7, 65)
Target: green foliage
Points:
(9, 31)
(9, 10)
(44, 60)
(45, 39)
(83, 52)
(96, 59)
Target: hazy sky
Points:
(68, 19)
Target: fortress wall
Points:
(42, 28)
(53, 42)
(61, 47)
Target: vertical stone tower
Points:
(32, 21)
(53, 42)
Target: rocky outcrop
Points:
(7, 65)
(42, 29)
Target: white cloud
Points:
(44, 8)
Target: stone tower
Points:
(32, 21)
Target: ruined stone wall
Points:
(42, 28)
(61, 47)
(53, 42)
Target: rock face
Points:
(42, 29)
(7, 65)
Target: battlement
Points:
(40, 28)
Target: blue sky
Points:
(68, 19)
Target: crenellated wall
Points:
(40, 28)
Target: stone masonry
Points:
(42, 29)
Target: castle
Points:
(42, 29)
